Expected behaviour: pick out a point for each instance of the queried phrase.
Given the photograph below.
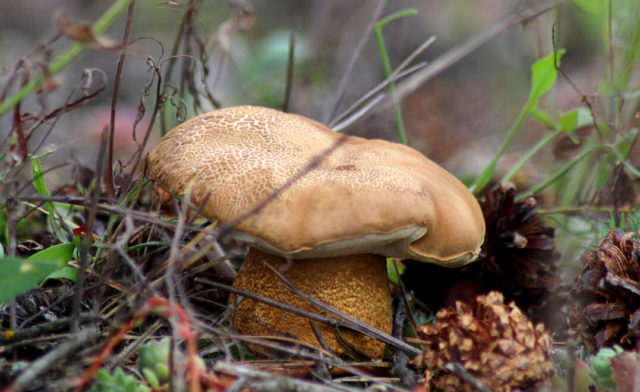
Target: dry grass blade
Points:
(269, 382)
(366, 34)
(340, 122)
(114, 100)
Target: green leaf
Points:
(41, 188)
(574, 119)
(38, 178)
(59, 254)
(151, 378)
(543, 76)
(103, 376)
(119, 377)
(38, 183)
(143, 388)
(66, 272)
(393, 273)
(19, 276)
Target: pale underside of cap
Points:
(366, 196)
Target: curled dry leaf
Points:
(494, 342)
(80, 32)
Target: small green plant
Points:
(153, 364)
(600, 369)
(153, 361)
(117, 382)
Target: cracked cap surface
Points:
(366, 196)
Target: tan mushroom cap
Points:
(367, 196)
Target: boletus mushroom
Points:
(330, 231)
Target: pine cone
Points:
(518, 258)
(495, 343)
(605, 306)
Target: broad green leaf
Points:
(19, 276)
(543, 76)
(59, 254)
(66, 272)
(568, 121)
(574, 119)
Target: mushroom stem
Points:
(356, 285)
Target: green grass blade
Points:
(402, 134)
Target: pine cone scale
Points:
(603, 312)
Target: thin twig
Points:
(377, 12)
(65, 58)
(45, 329)
(114, 100)
(459, 370)
(397, 74)
(405, 298)
(290, 63)
(84, 248)
(61, 353)
(310, 353)
(457, 53)
(259, 380)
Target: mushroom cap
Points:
(364, 196)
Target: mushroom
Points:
(330, 231)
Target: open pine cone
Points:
(605, 307)
(494, 342)
(518, 258)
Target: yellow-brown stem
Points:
(356, 285)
